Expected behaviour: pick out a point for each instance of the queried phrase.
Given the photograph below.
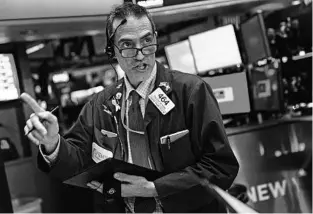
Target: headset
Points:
(109, 50)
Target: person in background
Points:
(156, 118)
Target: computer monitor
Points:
(179, 57)
(231, 92)
(217, 48)
(9, 83)
(266, 88)
(254, 38)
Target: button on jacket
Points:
(191, 162)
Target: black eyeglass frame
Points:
(137, 49)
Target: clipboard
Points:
(105, 170)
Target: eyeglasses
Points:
(132, 52)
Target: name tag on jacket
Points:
(161, 101)
(100, 154)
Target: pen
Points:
(52, 111)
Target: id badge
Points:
(100, 154)
(161, 101)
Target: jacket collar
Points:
(113, 97)
(163, 80)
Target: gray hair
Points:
(125, 10)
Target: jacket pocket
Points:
(176, 154)
(109, 143)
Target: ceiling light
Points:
(296, 2)
(35, 48)
(4, 40)
(262, 62)
(93, 32)
(284, 59)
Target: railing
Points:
(233, 204)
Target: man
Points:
(153, 117)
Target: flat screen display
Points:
(9, 85)
(179, 57)
(254, 39)
(231, 92)
(216, 48)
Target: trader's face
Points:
(135, 33)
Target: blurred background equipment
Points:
(231, 92)
(254, 37)
(8, 150)
(215, 49)
(180, 57)
(232, 203)
(5, 197)
(9, 83)
(266, 88)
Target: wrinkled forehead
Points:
(134, 28)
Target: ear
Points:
(156, 34)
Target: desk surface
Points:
(266, 124)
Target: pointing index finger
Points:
(31, 102)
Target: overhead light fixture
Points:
(284, 59)
(302, 55)
(262, 62)
(151, 3)
(4, 39)
(35, 48)
(296, 2)
(93, 32)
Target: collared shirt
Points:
(143, 89)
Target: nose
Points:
(139, 55)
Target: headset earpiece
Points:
(109, 50)
(110, 46)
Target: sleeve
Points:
(50, 159)
(187, 190)
(75, 148)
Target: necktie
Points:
(139, 149)
(138, 144)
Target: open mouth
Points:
(141, 67)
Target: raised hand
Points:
(44, 123)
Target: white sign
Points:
(224, 94)
(161, 101)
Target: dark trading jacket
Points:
(201, 157)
